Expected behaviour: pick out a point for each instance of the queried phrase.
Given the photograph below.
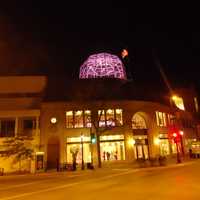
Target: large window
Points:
(7, 128)
(161, 119)
(110, 117)
(101, 118)
(87, 118)
(112, 147)
(119, 119)
(78, 119)
(74, 145)
(138, 122)
(26, 126)
(171, 119)
(69, 119)
(29, 124)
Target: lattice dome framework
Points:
(102, 65)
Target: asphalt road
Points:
(181, 181)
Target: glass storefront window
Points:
(161, 119)
(87, 117)
(164, 120)
(101, 116)
(112, 150)
(78, 119)
(164, 147)
(69, 119)
(110, 117)
(174, 148)
(141, 146)
(119, 119)
(113, 117)
(138, 122)
(7, 127)
(77, 147)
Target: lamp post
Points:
(177, 149)
(181, 137)
(82, 163)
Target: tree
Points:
(74, 151)
(100, 130)
(19, 147)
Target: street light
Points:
(82, 163)
(181, 136)
(175, 135)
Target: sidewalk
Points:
(146, 164)
(113, 165)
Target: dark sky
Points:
(55, 38)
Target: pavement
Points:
(114, 165)
(173, 181)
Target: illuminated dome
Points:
(102, 65)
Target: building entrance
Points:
(141, 147)
(53, 150)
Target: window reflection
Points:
(78, 119)
(69, 119)
(110, 117)
(138, 122)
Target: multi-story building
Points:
(61, 117)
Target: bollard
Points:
(1, 171)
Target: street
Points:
(179, 181)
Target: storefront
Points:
(112, 147)
(164, 145)
(141, 146)
(77, 145)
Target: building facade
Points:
(94, 119)
(128, 129)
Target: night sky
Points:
(54, 39)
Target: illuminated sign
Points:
(178, 101)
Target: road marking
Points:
(36, 182)
(21, 185)
(121, 169)
(39, 191)
(81, 182)
(66, 185)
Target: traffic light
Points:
(175, 137)
(175, 134)
(93, 138)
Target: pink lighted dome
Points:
(102, 65)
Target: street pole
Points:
(91, 147)
(178, 155)
(181, 133)
(182, 147)
(82, 164)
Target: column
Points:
(16, 126)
